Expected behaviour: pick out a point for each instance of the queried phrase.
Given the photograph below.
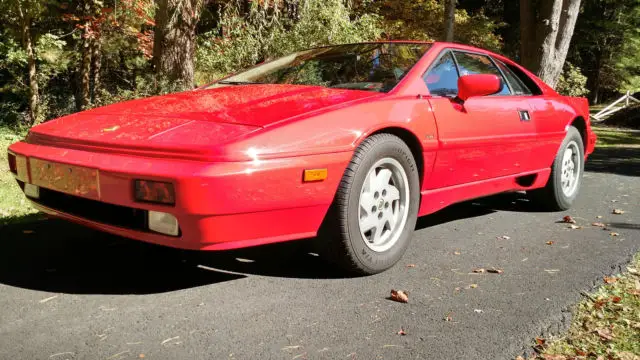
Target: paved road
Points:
(71, 293)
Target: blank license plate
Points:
(70, 179)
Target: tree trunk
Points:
(85, 69)
(528, 49)
(31, 63)
(449, 19)
(96, 65)
(545, 51)
(174, 41)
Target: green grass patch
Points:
(606, 325)
(611, 137)
(14, 207)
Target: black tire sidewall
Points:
(365, 258)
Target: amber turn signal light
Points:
(154, 192)
(314, 175)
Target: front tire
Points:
(375, 210)
(566, 174)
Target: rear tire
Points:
(566, 175)
(370, 224)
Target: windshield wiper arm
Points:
(237, 82)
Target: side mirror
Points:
(478, 85)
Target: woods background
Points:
(62, 56)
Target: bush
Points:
(572, 82)
(626, 118)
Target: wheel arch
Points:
(412, 142)
(581, 124)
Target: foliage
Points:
(267, 32)
(12, 201)
(606, 325)
(572, 82)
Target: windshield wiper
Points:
(237, 82)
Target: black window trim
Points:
(532, 92)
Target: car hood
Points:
(192, 121)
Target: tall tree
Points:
(449, 19)
(545, 35)
(175, 40)
(20, 16)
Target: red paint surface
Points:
(236, 154)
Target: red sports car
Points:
(349, 143)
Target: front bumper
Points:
(218, 205)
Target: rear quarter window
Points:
(526, 80)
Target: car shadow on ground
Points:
(52, 255)
(621, 161)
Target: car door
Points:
(484, 137)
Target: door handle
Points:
(524, 115)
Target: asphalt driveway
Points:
(71, 293)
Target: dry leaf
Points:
(605, 334)
(399, 296)
(473, 286)
(411, 265)
(598, 224)
(495, 271)
(448, 318)
(540, 341)
(575, 227)
(610, 279)
(504, 237)
(618, 212)
(520, 358)
(599, 217)
(401, 332)
(27, 231)
(478, 270)
(478, 311)
(554, 357)
(616, 299)
(549, 242)
(456, 253)
(568, 219)
(625, 355)
(614, 234)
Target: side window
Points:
(470, 64)
(526, 80)
(518, 87)
(442, 78)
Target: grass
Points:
(606, 325)
(617, 138)
(13, 205)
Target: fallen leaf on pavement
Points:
(504, 237)
(411, 265)
(399, 296)
(449, 317)
(614, 234)
(478, 270)
(568, 219)
(478, 311)
(401, 332)
(456, 253)
(599, 217)
(540, 341)
(598, 224)
(27, 231)
(495, 271)
(575, 227)
(520, 358)
(618, 212)
(549, 242)
(552, 271)
(610, 279)
(473, 286)
(605, 334)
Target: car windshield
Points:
(373, 67)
